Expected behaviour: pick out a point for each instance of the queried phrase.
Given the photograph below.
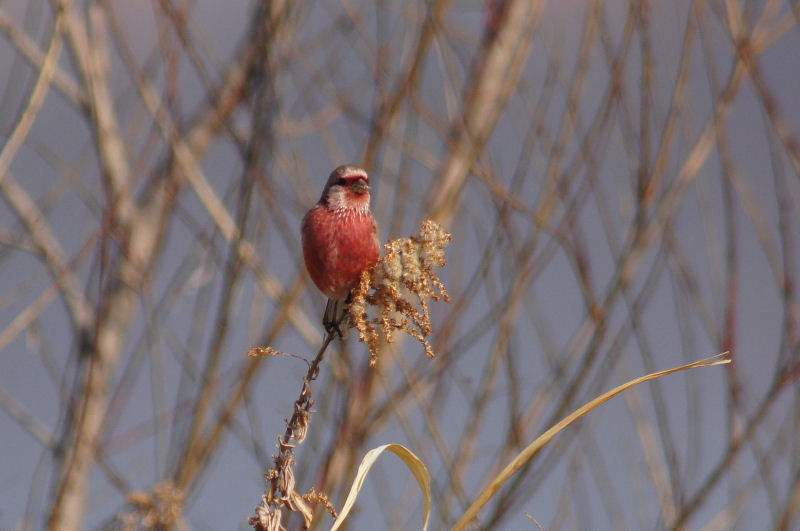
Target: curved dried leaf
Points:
(539, 443)
(414, 464)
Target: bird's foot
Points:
(333, 327)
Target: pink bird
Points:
(340, 240)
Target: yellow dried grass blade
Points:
(545, 438)
(414, 464)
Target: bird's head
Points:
(347, 189)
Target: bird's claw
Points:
(333, 327)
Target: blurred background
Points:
(622, 181)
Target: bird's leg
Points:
(335, 311)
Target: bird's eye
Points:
(342, 182)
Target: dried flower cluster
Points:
(159, 509)
(406, 268)
(281, 492)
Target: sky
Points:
(325, 63)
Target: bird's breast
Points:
(337, 246)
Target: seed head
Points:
(406, 269)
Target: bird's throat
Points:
(345, 201)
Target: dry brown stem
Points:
(281, 494)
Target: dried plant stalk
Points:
(281, 492)
(406, 268)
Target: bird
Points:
(340, 240)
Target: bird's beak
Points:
(360, 186)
